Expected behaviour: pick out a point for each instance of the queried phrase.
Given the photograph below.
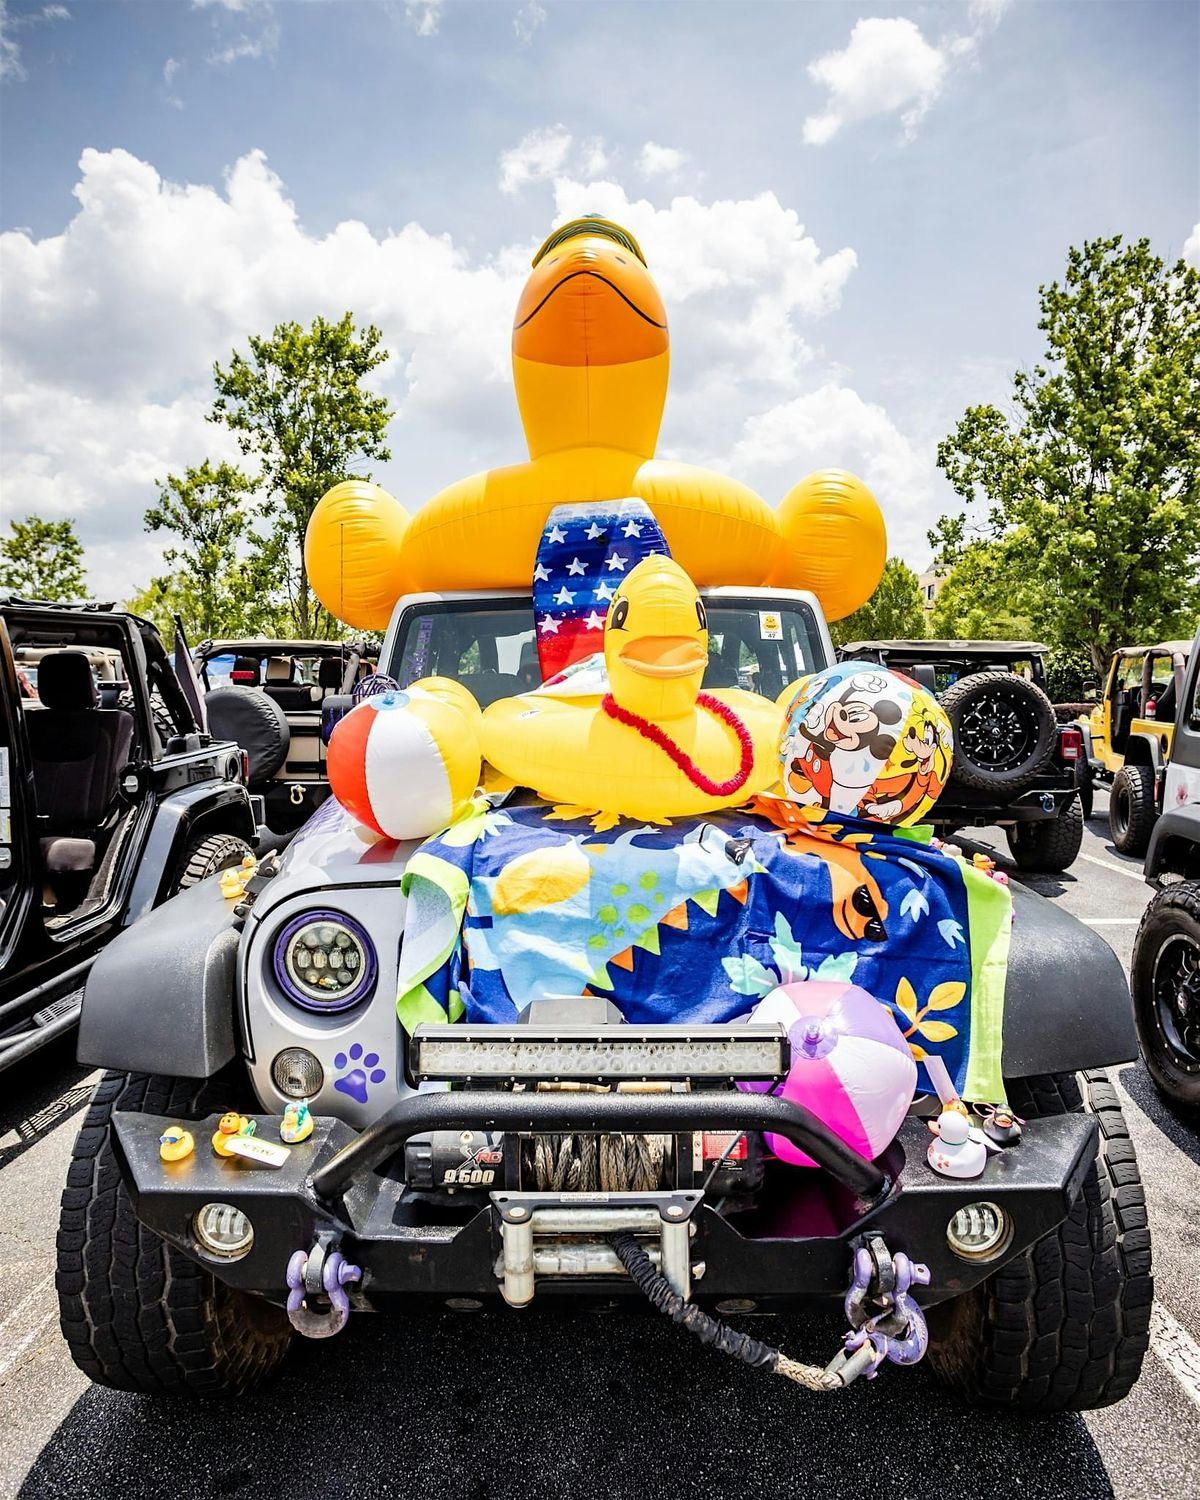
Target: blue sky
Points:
(848, 207)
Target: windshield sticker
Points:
(770, 626)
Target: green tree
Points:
(297, 405)
(207, 509)
(893, 612)
(981, 597)
(1092, 480)
(42, 560)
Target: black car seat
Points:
(78, 750)
(330, 671)
(924, 673)
(292, 696)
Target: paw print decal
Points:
(364, 1070)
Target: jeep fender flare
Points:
(216, 808)
(160, 997)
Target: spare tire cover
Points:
(1004, 730)
(257, 723)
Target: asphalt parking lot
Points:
(484, 1406)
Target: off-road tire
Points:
(1051, 844)
(1131, 810)
(1034, 730)
(1173, 917)
(208, 856)
(1066, 1324)
(253, 720)
(137, 1314)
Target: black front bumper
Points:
(796, 1246)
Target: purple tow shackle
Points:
(335, 1275)
(898, 1332)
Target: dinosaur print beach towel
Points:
(696, 921)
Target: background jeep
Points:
(1014, 764)
(111, 800)
(1166, 953)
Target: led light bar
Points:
(603, 1054)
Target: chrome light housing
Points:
(324, 961)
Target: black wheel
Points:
(137, 1314)
(1004, 730)
(255, 722)
(208, 856)
(1051, 844)
(1065, 1325)
(1165, 979)
(1131, 811)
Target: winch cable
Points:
(711, 1330)
(589, 1163)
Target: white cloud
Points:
(833, 427)
(537, 157)
(888, 67)
(12, 69)
(660, 161)
(111, 328)
(234, 5)
(424, 16)
(1191, 247)
(265, 44)
(527, 20)
(170, 68)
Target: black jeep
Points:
(269, 697)
(1166, 952)
(112, 798)
(1014, 765)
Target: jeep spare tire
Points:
(255, 722)
(1004, 730)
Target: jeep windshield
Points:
(489, 645)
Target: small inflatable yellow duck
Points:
(228, 1126)
(654, 746)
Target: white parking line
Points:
(1107, 864)
(1177, 1349)
(1111, 921)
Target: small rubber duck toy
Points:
(175, 1143)
(959, 1150)
(229, 1125)
(1000, 1125)
(297, 1123)
(235, 881)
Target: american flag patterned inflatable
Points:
(584, 553)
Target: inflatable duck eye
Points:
(701, 614)
(620, 614)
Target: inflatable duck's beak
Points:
(589, 301)
(664, 656)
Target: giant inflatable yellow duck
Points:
(654, 746)
(590, 354)
(590, 363)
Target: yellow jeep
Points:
(1128, 735)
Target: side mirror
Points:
(1091, 688)
(333, 710)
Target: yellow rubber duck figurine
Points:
(654, 746)
(230, 1125)
(590, 353)
(175, 1143)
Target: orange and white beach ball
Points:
(405, 764)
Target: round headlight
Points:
(297, 1073)
(224, 1231)
(324, 961)
(980, 1231)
